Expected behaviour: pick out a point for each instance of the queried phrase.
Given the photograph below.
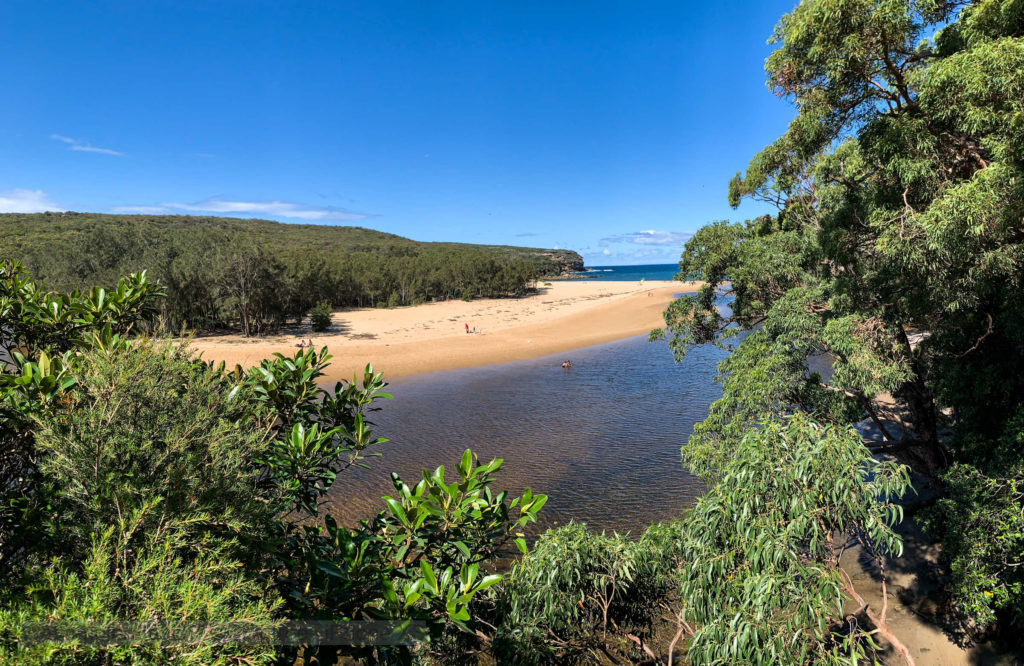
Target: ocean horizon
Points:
(631, 273)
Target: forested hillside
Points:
(257, 274)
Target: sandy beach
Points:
(431, 337)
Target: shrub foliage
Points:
(166, 509)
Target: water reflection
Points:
(601, 439)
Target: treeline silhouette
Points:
(257, 275)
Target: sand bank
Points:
(427, 338)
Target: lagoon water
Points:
(601, 439)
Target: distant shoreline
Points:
(415, 340)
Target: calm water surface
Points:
(600, 439)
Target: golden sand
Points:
(426, 338)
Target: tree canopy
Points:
(888, 283)
(256, 275)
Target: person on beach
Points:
(467, 328)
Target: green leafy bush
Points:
(40, 339)
(320, 316)
(560, 601)
(419, 559)
(762, 583)
(145, 508)
(160, 490)
(981, 525)
(145, 424)
(140, 598)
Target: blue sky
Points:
(610, 128)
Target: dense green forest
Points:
(155, 508)
(256, 275)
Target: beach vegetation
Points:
(887, 285)
(762, 581)
(159, 508)
(320, 316)
(257, 276)
(577, 594)
(750, 575)
(981, 525)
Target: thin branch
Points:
(642, 646)
(979, 340)
(885, 594)
(879, 622)
(874, 417)
(682, 626)
(866, 404)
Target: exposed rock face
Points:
(567, 260)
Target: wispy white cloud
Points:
(649, 237)
(94, 149)
(275, 208)
(26, 201)
(84, 147)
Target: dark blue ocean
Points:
(631, 273)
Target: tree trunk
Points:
(924, 415)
